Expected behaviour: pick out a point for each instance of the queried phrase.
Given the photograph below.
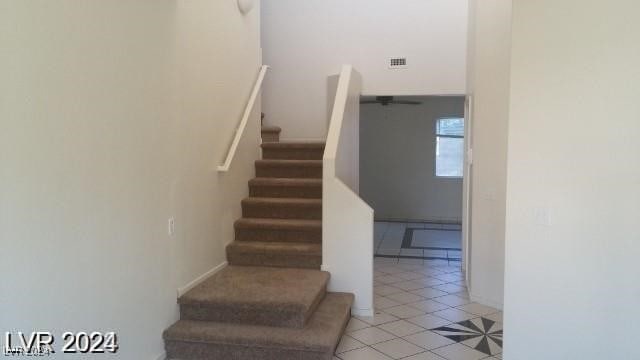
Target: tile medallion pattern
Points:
(422, 312)
(481, 334)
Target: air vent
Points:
(398, 63)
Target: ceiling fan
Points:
(386, 100)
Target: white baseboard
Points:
(183, 290)
(361, 312)
(487, 302)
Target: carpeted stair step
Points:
(270, 133)
(282, 208)
(293, 150)
(202, 340)
(289, 168)
(278, 230)
(286, 188)
(256, 296)
(276, 254)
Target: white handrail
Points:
(245, 118)
(347, 221)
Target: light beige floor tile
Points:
(405, 297)
(436, 263)
(428, 271)
(429, 293)
(355, 324)
(379, 317)
(385, 290)
(427, 355)
(454, 315)
(372, 335)
(478, 309)
(450, 277)
(410, 285)
(428, 306)
(450, 288)
(448, 269)
(390, 269)
(384, 261)
(404, 311)
(381, 302)
(411, 267)
(463, 294)
(410, 275)
(410, 261)
(459, 352)
(397, 348)
(364, 354)
(452, 300)
(428, 340)
(347, 343)
(431, 281)
(389, 279)
(401, 328)
(497, 317)
(429, 321)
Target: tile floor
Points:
(423, 312)
(418, 240)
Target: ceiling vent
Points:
(398, 63)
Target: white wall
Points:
(397, 160)
(347, 231)
(573, 182)
(307, 41)
(488, 86)
(114, 115)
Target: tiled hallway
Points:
(423, 312)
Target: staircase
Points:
(271, 301)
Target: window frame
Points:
(435, 144)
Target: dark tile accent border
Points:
(408, 237)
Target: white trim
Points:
(245, 119)
(183, 290)
(483, 301)
(467, 189)
(362, 312)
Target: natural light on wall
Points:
(449, 147)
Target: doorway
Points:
(411, 173)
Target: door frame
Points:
(467, 189)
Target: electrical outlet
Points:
(171, 226)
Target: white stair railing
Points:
(248, 111)
(347, 221)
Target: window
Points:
(449, 147)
